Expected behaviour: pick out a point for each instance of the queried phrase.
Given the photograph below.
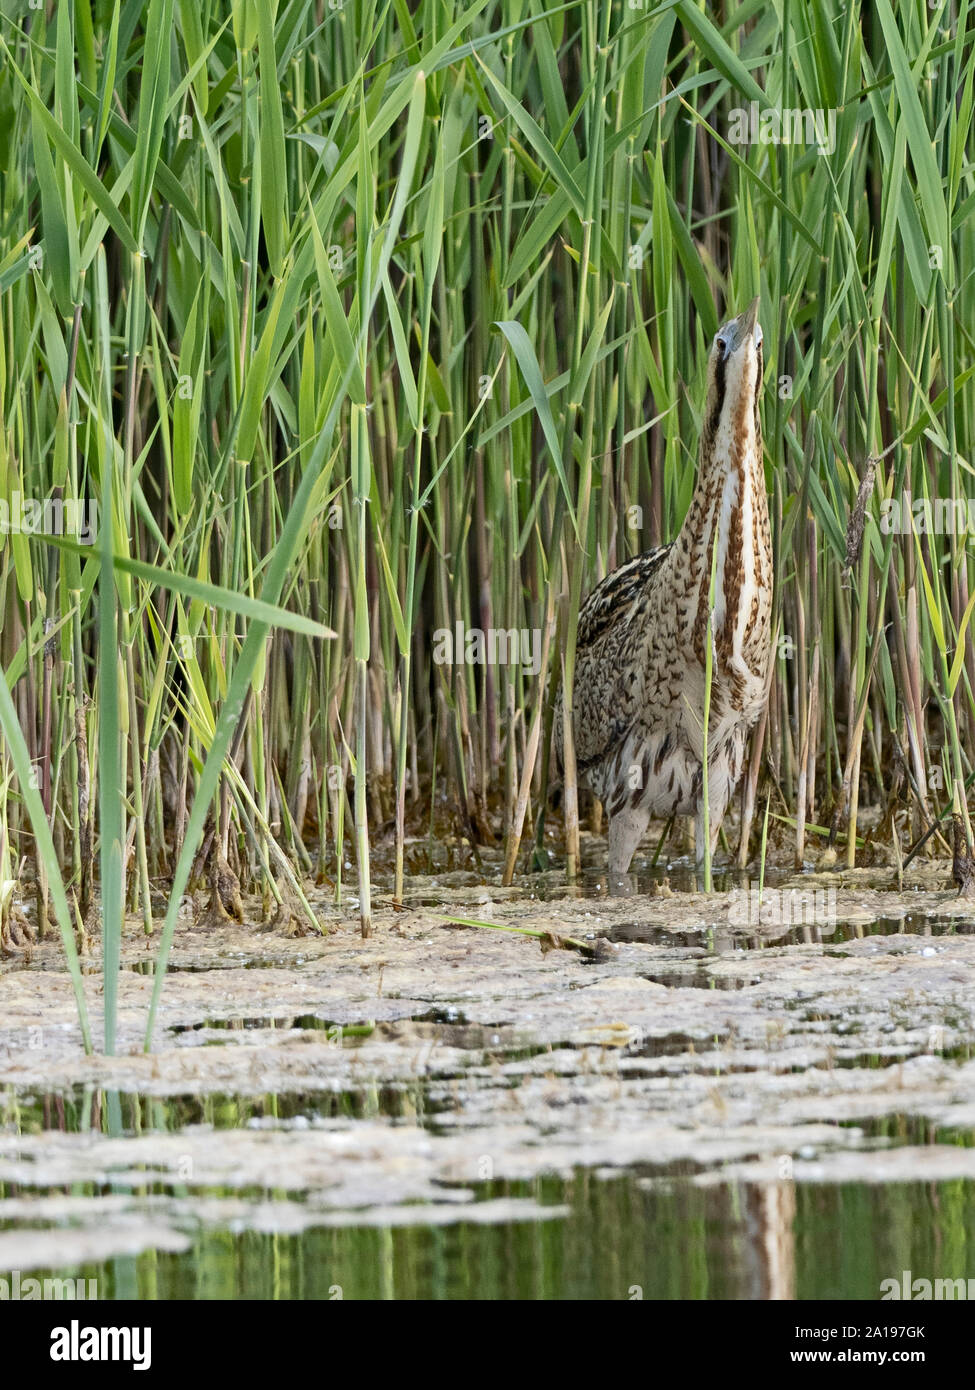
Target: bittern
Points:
(639, 684)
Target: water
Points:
(622, 1238)
(654, 1232)
(82, 1110)
(831, 934)
(415, 1070)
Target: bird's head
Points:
(734, 383)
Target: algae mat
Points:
(417, 1100)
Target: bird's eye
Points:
(759, 336)
(722, 345)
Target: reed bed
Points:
(352, 325)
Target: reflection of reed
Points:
(770, 1209)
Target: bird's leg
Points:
(626, 829)
(717, 807)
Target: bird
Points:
(639, 680)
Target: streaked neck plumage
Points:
(729, 513)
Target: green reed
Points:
(360, 322)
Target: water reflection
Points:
(625, 1237)
(770, 1209)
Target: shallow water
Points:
(711, 1108)
(607, 1238)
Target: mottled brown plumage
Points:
(638, 694)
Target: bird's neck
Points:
(727, 527)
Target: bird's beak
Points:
(744, 326)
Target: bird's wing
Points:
(610, 601)
(607, 688)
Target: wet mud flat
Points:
(693, 1082)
